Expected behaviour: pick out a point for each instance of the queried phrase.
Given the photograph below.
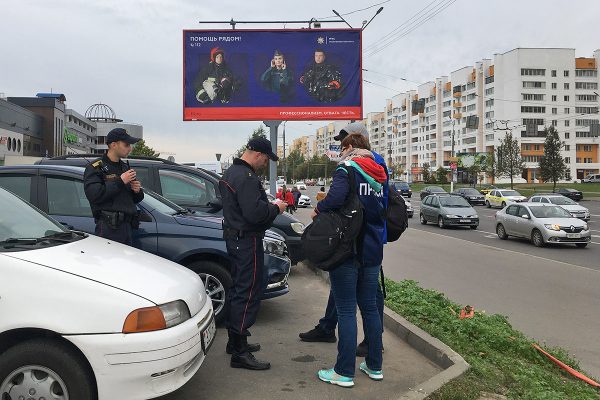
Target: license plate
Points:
(465, 220)
(208, 335)
(573, 235)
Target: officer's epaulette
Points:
(97, 164)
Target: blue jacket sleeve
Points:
(338, 192)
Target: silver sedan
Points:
(542, 224)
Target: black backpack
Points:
(331, 238)
(396, 215)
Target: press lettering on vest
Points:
(365, 189)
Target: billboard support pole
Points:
(273, 126)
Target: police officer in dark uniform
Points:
(113, 190)
(247, 214)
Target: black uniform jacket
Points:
(106, 191)
(246, 207)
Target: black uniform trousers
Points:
(248, 283)
(123, 233)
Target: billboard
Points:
(470, 160)
(241, 75)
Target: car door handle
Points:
(70, 227)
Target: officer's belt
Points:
(230, 233)
(115, 217)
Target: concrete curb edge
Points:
(433, 349)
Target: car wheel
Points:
(503, 204)
(217, 281)
(44, 368)
(487, 204)
(423, 220)
(581, 245)
(441, 223)
(501, 232)
(537, 238)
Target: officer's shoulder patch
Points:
(97, 164)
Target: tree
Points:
(510, 163)
(491, 166)
(552, 164)
(258, 132)
(426, 172)
(142, 149)
(441, 175)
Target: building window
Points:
(553, 98)
(567, 135)
(589, 73)
(554, 110)
(567, 110)
(533, 96)
(567, 160)
(533, 109)
(553, 85)
(566, 85)
(536, 147)
(566, 98)
(567, 147)
(586, 85)
(567, 122)
(586, 97)
(554, 73)
(566, 74)
(489, 103)
(532, 72)
(534, 85)
(489, 91)
(554, 122)
(586, 110)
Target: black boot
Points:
(252, 347)
(242, 358)
(362, 350)
(318, 335)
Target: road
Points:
(552, 294)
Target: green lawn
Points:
(502, 359)
(526, 189)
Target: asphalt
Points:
(295, 363)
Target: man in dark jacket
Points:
(113, 190)
(278, 78)
(322, 81)
(247, 213)
(215, 82)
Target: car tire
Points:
(581, 245)
(423, 220)
(441, 223)
(219, 281)
(487, 204)
(537, 238)
(501, 232)
(59, 371)
(503, 204)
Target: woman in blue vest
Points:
(356, 280)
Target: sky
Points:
(128, 53)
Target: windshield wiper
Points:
(64, 237)
(12, 241)
(181, 212)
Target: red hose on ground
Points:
(564, 366)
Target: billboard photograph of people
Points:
(307, 74)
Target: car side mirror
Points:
(143, 216)
(525, 216)
(216, 204)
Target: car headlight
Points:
(298, 227)
(156, 318)
(452, 216)
(585, 227)
(472, 216)
(275, 247)
(552, 227)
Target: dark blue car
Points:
(192, 239)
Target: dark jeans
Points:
(352, 285)
(329, 321)
(123, 234)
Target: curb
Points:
(433, 349)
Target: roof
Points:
(64, 168)
(58, 96)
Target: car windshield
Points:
(561, 201)
(454, 202)
(401, 185)
(436, 189)
(160, 204)
(550, 212)
(471, 192)
(505, 193)
(20, 220)
(568, 190)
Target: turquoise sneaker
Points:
(375, 375)
(329, 375)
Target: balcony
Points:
(457, 94)
(457, 115)
(457, 104)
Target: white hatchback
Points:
(85, 318)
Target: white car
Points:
(303, 201)
(557, 199)
(86, 318)
(300, 185)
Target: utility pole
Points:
(453, 156)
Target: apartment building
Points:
(522, 90)
(306, 145)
